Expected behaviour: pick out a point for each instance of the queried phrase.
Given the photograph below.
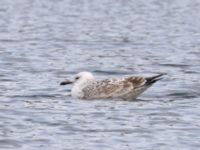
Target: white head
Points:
(79, 78)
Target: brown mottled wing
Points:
(136, 82)
(113, 87)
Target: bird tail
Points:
(151, 80)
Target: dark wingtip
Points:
(151, 80)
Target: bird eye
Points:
(77, 78)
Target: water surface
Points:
(44, 42)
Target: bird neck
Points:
(77, 89)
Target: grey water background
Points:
(44, 42)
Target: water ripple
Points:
(44, 42)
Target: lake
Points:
(44, 42)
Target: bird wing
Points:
(113, 87)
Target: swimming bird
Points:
(85, 86)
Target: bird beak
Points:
(66, 82)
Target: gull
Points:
(85, 86)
